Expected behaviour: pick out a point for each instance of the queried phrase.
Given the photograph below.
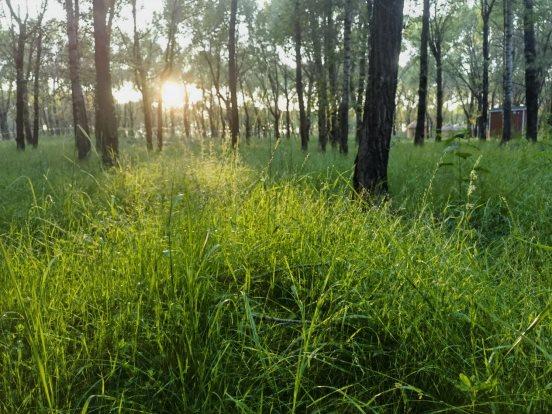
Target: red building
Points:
(496, 122)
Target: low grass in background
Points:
(196, 281)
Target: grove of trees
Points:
(316, 69)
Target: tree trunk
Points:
(531, 72)
(36, 91)
(303, 127)
(286, 93)
(21, 88)
(106, 121)
(80, 119)
(373, 154)
(26, 112)
(508, 70)
(233, 75)
(362, 66)
(330, 61)
(486, 9)
(422, 91)
(320, 83)
(344, 105)
(142, 81)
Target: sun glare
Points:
(174, 94)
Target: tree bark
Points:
(233, 75)
(486, 10)
(531, 72)
(21, 88)
(422, 91)
(370, 175)
(362, 67)
(508, 70)
(331, 67)
(36, 89)
(80, 119)
(106, 121)
(142, 81)
(320, 83)
(303, 127)
(344, 105)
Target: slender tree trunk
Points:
(422, 91)
(330, 61)
(344, 105)
(303, 128)
(186, 116)
(142, 80)
(21, 88)
(106, 121)
(131, 119)
(233, 75)
(508, 70)
(531, 72)
(440, 94)
(286, 93)
(80, 119)
(362, 67)
(320, 83)
(160, 120)
(26, 113)
(36, 91)
(373, 154)
(486, 9)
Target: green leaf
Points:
(465, 380)
(445, 164)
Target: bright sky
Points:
(146, 8)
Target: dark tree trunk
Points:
(320, 84)
(422, 91)
(186, 116)
(531, 72)
(373, 154)
(80, 119)
(233, 76)
(344, 105)
(21, 88)
(4, 108)
(172, 115)
(160, 121)
(36, 89)
(486, 10)
(330, 60)
(142, 81)
(303, 127)
(362, 67)
(440, 97)
(106, 120)
(26, 112)
(286, 93)
(508, 70)
(436, 45)
(131, 119)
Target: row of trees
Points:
(305, 67)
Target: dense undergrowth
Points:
(196, 281)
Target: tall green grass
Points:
(200, 281)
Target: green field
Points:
(198, 280)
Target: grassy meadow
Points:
(203, 281)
